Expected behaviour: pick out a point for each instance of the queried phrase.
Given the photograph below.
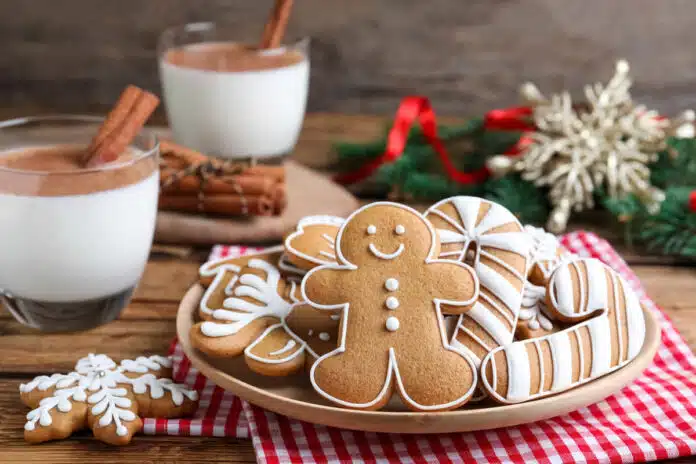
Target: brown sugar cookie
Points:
(312, 242)
(393, 290)
(491, 239)
(610, 335)
(106, 397)
(298, 339)
(546, 254)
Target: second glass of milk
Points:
(228, 99)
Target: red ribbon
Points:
(692, 201)
(413, 108)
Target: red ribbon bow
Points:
(418, 108)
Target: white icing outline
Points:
(311, 221)
(597, 328)
(388, 256)
(392, 367)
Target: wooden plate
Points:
(294, 397)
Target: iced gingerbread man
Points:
(392, 337)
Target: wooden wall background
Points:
(468, 56)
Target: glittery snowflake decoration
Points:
(104, 396)
(605, 142)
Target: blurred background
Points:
(468, 57)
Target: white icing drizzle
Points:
(391, 284)
(327, 254)
(483, 240)
(602, 338)
(100, 382)
(392, 302)
(329, 239)
(289, 345)
(324, 336)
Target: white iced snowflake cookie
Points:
(110, 398)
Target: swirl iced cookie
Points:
(392, 290)
(609, 333)
(108, 398)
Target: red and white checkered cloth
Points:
(653, 418)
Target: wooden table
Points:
(147, 326)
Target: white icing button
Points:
(400, 230)
(392, 302)
(372, 230)
(392, 324)
(391, 284)
(310, 332)
(324, 336)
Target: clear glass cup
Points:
(73, 244)
(223, 104)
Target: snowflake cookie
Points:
(107, 397)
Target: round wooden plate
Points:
(294, 397)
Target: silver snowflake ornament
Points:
(605, 142)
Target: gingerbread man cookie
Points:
(610, 335)
(488, 236)
(392, 290)
(104, 396)
(313, 241)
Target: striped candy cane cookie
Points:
(610, 334)
(490, 238)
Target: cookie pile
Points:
(453, 305)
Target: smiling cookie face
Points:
(384, 233)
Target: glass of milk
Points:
(74, 241)
(227, 98)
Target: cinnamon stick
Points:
(274, 30)
(229, 205)
(225, 184)
(185, 154)
(128, 116)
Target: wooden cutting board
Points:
(308, 191)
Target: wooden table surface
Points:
(147, 326)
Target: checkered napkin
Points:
(653, 418)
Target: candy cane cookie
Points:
(490, 238)
(610, 335)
